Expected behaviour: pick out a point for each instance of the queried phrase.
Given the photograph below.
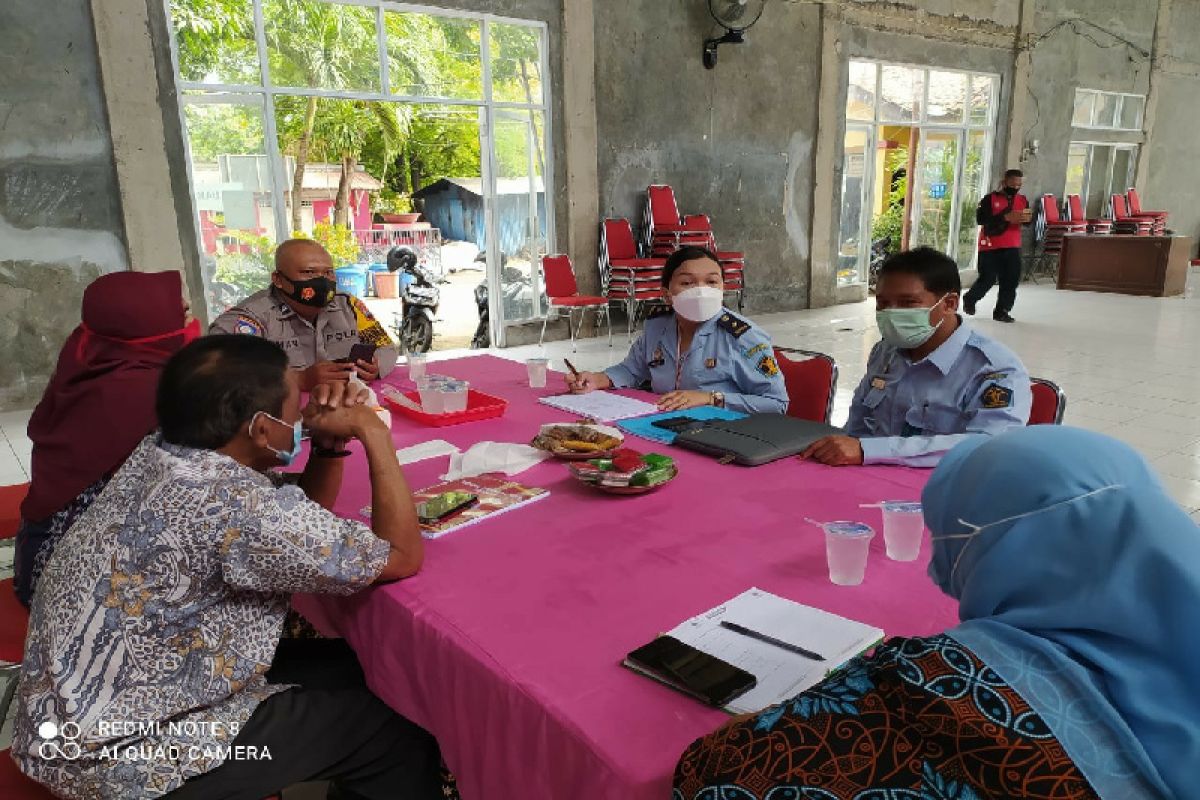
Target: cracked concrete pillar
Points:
(579, 115)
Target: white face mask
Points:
(698, 304)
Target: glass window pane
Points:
(1084, 103)
(1098, 185)
(318, 45)
(433, 56)
(982, 97)
(935, 171)
(1076, 169)
(970, 192)
(521, 210)
(1131, 112)
(232, 188)
(947, 97)
(855, 158)
(516, 63)
(902, 90)
(216, 41)
(1122, 172)
(1106, 111)
(860, 93)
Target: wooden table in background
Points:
(1143, 265)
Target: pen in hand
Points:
(570, 366)
(762, 637)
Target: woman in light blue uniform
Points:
(702, 353)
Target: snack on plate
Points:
(577, 439)
(627, 468)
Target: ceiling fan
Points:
(735, 16)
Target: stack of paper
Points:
(781, 674)
(600, 406)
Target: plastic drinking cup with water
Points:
(846, 547)
(537, 372)
(416, 366)
(903, 530)
(454, 396)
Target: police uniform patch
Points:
(768, 367)
(659, 358)
(248, 326)
(710, 363)
(995, 376)
(753, 351)
(361, 308)
(878, 383)
(733, 324)
(996, 396)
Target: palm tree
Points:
(342, 131)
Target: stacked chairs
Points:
(1054, 227)
(625, 278)
(1075, 214)
(1124, 222)
(1135, 209)
(733, 263)
(664, 229)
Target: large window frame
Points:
(1109, 176)
(266, 91)
(963, 129)
(1092, 99)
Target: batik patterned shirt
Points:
(158, 616)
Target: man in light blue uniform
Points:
(699, 353)
(933, 380)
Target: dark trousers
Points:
(1003, 266)
(331, 727)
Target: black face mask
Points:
(1011, 191)
(316, 292)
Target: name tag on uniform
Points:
(878, 383)
(658, 359)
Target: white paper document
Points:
(603, 406)
(781, 673)
(425, 450)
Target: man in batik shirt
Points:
(151, 666)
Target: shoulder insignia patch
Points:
(758, 348)
(248, 326)
(360, 307)
(733, 324)
(996, 396)
(768, 366)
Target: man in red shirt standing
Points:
(1000, 215)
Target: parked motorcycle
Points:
(513, 284)
(419, 301)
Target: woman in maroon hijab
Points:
(98, 406)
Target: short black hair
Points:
(210, 389)
(938, 271)
(1013, 173)
(685, 254)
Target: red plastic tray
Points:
(479, 406)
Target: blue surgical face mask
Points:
(907, 328)
(286, 457)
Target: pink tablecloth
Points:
(507, 645)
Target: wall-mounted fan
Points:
(735, 16)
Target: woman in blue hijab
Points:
(1075, 672)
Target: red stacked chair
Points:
(1075, 214)
(563, 293)
(1124, 222)
(1136, 210)
(1054, 227)
(664, 229)
(624, 277)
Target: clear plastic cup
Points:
(903, 530)
(846, 547)
(537, 372)
(416, 366)
(432, 397)
(454, 396)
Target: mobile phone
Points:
(445, 504)
(362, 352)
(691, 671)
(677, 424)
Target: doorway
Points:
(916, 153)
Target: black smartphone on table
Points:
(677, 424)
(445, 504)
(691, 671)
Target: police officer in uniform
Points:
(933, 380)
(315, 325)
(699, 353)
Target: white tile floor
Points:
(1130, 368)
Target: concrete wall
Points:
(60, 216)
(736, 142)
(1171, 171)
